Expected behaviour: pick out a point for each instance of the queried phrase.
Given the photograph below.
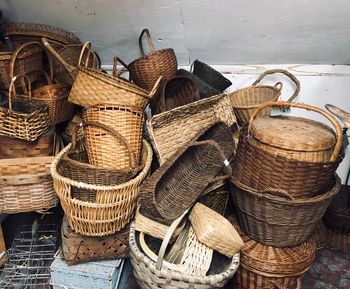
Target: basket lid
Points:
(293, 133)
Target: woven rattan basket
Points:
(320, 236)
(114, 205)
(107, 150)
(23, 118)
(78, 249)
(145, 70)
(171, 130)
(338, 242)
(276, 218)
(244, 101)
(270, 267)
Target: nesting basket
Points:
(145, 70)
(246, 100)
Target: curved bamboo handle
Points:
(46, 75)
(276, 192)
(339, 113)
(285, 72)
(87, 47)
(115, 72)
(149, 39)
(339, 131)
(155, 87)
(116, 134)
(12, 88)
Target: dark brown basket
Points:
(211, 76)
(175, 92)
(178, 183)
(145, 70)
(276, 218)
(78, 248)
(262, 170)
(337, 217)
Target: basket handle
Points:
(87, 47)
(155, 87)
(339, 113)
(339, 132)
(116, 134)
(167, 238)
(12, 88)
(115, 72)
(275, 192)
(149, 39)
(285, 72)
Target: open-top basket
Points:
(113, 207)
(244, 101)
(145, 70)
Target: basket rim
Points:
(152, 54)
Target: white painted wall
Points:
(216, 31)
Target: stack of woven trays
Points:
(282, 183)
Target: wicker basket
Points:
(270, 267)
(296, 138)
(246, 100)
(179, 182)
(211, 76)
(107, 150)
(26, 57)
(17, 148)
(78, 249)
(153, 274)
(338, 242)
(114, 206)
(320, 236)
(56, 97)
(23, 119)
(171, 130)
(145, 70)
(276, 218)
(175, 92)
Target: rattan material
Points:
(171, 130)
(23, 119)
(107, 150)
(211, 76)
(320, 236)
(114, 205)
(215, 231)
(338, 242)
(216, 197)
(78, 249)
(145, 70)
(178, 183)
(244, 101)
(277, 219)
(343, 115)
(262, 170)
(17, 148)
(266, 266)
(175, 92)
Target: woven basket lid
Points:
(293, 133)
(272, 261)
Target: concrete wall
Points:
(219, 31)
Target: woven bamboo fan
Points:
(107, 150)
(270, 267)
(276, 218)
(78, 249)
(171, 130)
(21, 118)
(244, 101)
(215, 231)
(175, 92)
(113, 207)
(145, 70)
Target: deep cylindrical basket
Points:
(175, 92)
(114, 205)
(262, 170)
(78, 249)
(211, 76)
(23, 118)
(173, 129)
(276, 218)
(145, 70)
(246, 100)
(107, 150)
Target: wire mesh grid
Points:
(30, 257)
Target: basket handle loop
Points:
(116, 134)
(87, 47)
(285, 72)
(12, 88)
(155, 87)
(278, 86)
(149, 39)
(275, 192)
(45, 74)
(334, 122)
(167, 238)
(115, 72)
(340, 113)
